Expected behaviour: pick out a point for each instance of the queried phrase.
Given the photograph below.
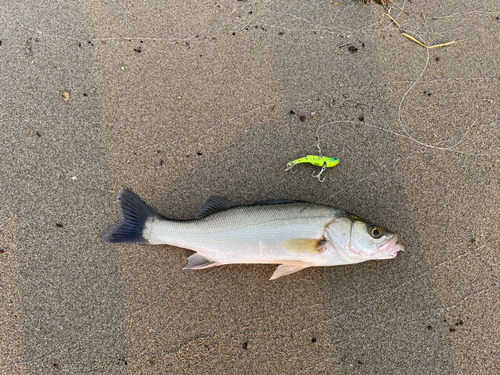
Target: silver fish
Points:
(294, 234)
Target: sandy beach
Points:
(180, 100)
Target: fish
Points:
(293, 234)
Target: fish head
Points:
(357, 240)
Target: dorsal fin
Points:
(274, 201)
(213, 204)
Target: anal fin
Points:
(287, 269)
(197, 262)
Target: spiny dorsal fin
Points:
(274, 201)
(212, 205)
(287, 269)
(197, 262)
(304, 246)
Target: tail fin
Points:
(133, 214)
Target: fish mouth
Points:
(391, 248)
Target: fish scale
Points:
(249, 234)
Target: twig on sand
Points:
(405, 34)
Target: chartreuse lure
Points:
(319, 161)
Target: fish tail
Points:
(134, 219)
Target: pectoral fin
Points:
(286, 269)
(304, 246)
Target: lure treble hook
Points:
(318, 176)
(289, 167)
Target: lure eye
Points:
(375, 231)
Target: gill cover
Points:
(357, 240)
(365, 238)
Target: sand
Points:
(182, 100)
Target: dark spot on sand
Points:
(313, 340)
(292, 112)
(452, 329)
(85, 94)
(57, 366)
(138, 50)
(123, 361)
(361, 118)
(234, 33)
(429, 327)
(459, 322)
(352, 49)
(199, 153)
(38, 134)
(161, 162)
(245, 345)
(59, 225)
(302, 118)
(437, 59)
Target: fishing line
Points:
(399, 112)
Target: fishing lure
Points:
(319, 161)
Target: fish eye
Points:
(375, 232)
